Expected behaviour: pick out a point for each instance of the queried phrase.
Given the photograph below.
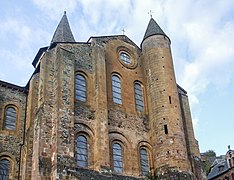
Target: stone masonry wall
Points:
(11, 141)
(60, 118)
(29, 133)
(127, 125)
(165, 119)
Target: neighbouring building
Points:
(223, 169)
(100, 109)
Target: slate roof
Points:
(218, 167)
(153, 29)
(12, 86)
(63, 32)
(111, 37)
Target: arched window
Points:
(10, 118)
(82, 151)
(144, 161)
(80, 85)
(116, 89)
(117, 158)
(139, 97)
(4, 169)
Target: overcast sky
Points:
(201, 31)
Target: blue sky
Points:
(201, 31)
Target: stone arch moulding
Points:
(149, 149)
(132, 55)
(118, 137)
(18, 110)
(85, 130)
(82, 127)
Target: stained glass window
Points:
(116, 89)
(144, 161)
(82, 151)
(80, 85)
(10, 118)
(4, 169)
(125, 58)
(117, 158)
(139, 97)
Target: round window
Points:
(125, 58)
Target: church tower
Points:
(165, 120)
(53, 122)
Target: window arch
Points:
(116, 89)
(117, 158)
(82, 151)
(4, 168)
(10, 118)
(81, 87)
(138, 96)
(144, 160)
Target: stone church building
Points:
(101, 109)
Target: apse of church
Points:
(100, 109)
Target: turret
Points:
(165, 121)
(54, 120)
(63, 32)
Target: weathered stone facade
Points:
(50, 117)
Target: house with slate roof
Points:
(223, 169)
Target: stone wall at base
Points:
(85, 174)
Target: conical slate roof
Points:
(63, 32)
(153, 29)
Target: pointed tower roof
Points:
(63, 32)
(153, 29)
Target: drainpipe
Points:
(21, 145)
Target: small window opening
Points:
(170, 99)
(165, 129)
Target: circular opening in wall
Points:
(125, 58)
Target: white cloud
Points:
(20, 39)
(54, 8)
(202, 36)
(201, 33)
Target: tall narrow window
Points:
(144, 161)
(4, 169)
(116, 89)
(82, 151)
(10, 118)
(139, 97)
(80, 83)
(117, 158)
